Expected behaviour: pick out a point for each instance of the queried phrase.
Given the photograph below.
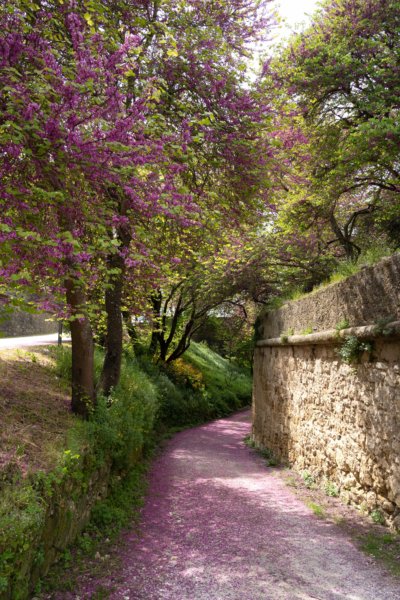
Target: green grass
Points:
(343, 270)
(317, 509)
(307, 331)
(224, 381)
(63, 364)
(265, 453)
(199, 387)
(385, 547)
(342, 324)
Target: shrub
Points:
(122, 423)
(308, 479)
(377, 516)
(331, 489)
(186, 374)
(352, 349)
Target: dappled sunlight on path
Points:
(219, 525)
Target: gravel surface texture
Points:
(219, 525)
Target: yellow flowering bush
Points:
(185, 374)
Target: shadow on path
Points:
(218, 525)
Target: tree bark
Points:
(113, 300)
(190, 328)
(184, 342)
(131, 329)
(83, 397)
(156, 301)
(83, 391)
(351, 250)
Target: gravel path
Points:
(219, 525)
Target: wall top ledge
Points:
(333, 336)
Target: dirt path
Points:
(218, 525)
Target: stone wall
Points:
(340, 422)
(363, 299)
(19, 323)
(65, 509)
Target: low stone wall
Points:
(20, 323)
(338, 421)
(65, 507)
(363, 299)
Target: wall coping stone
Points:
(332, 336)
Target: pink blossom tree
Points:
(118, 119)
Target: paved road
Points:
(32, 340)
(218, 525)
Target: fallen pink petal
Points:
(218, 525)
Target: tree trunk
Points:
(347, 245)
(82, 377)
(156, 301)
(83, 392)
(131, 329)
(185, 340)
(113, 299)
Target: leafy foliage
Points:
(21, 517)
(309, 479)
(123, 126)
(186, 374)
(331, 489)
(353, 348)
(334, 190)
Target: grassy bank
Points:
(149, 402)
(342, 271)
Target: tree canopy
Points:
(340, 78)
(145, 171)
